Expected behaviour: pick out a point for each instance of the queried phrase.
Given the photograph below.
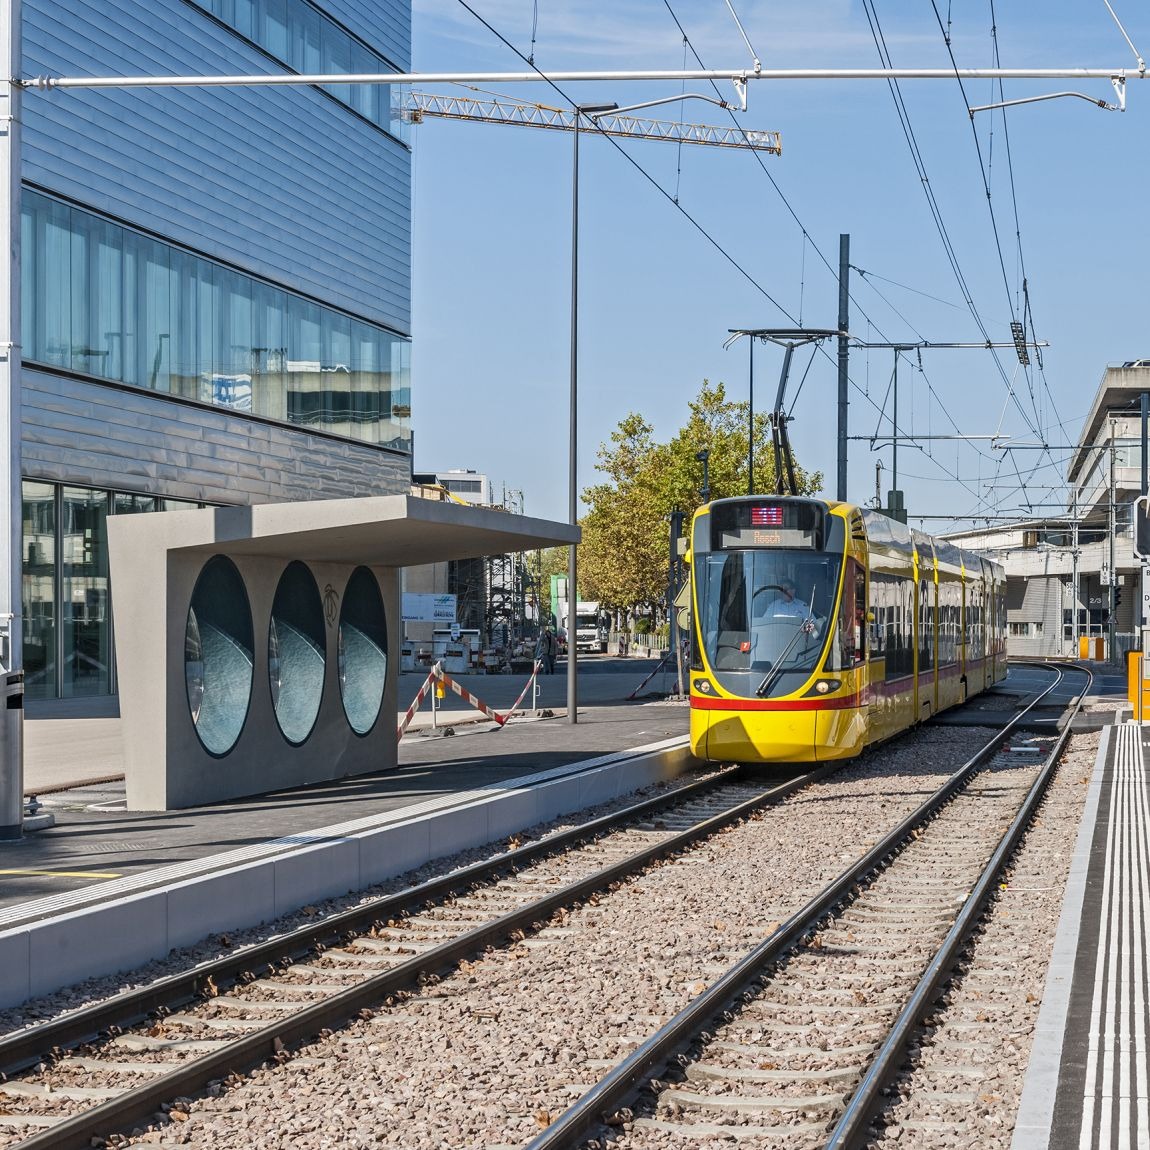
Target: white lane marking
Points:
(1086, 1131)
(1139, 973)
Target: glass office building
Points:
(215, 285)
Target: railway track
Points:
(796, 1043)
(101, 1069)
(109, 1067)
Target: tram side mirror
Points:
(681, 547)
(684, 618)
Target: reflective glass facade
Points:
(67, 625)
(104, 301)
(309, 42)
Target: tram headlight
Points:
(703, 686)
(825, 686)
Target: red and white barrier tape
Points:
(511, 709)
(437, 672)
(431, 677)
(658, 668)
(463, 693)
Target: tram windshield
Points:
(765, 616)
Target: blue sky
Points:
(493, 217)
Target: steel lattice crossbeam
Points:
(421, 104)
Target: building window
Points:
(307, 41)
(67, 631)
(106, 302)
(1022, 629)
(39, 582)
(84, 612)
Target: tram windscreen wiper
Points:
(806, 627)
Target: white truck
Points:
(586, 630)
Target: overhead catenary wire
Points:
(934, 207)
(1027, 314)
(638, 167)
(743, 272)
(806, 238)
(1137, 54)
(984, 172)
(982, 164)
(534, 31)
(746, 39)
(868, 275)
(679, 157)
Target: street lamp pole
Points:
(581, 110)
(11, 763)
(704, 457)
(751, 420)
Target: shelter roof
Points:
(389, 531)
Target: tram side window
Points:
(893, 634)
(974, 622)
(949, 615)
(848, 647)
(926, 618)
(1000, 619)
(907, 606)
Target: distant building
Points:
(489, 591)
(468, 485)
(1060, 569)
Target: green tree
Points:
(541, 565)
(624, 554)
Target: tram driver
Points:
(786, 605)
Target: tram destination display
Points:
(770, 523)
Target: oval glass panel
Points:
(362, 651)
(296, 655)
(218, 655)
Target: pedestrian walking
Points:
(545, 651)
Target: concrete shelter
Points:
(258, 647)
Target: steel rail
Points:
(26, 1047)
(78, 1131)
(850, 1130)
(651, 1059)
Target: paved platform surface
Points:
(63, 745)
(1088, 1084)
(95, 839)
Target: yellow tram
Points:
(820, 628)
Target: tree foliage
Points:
(624, 554)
